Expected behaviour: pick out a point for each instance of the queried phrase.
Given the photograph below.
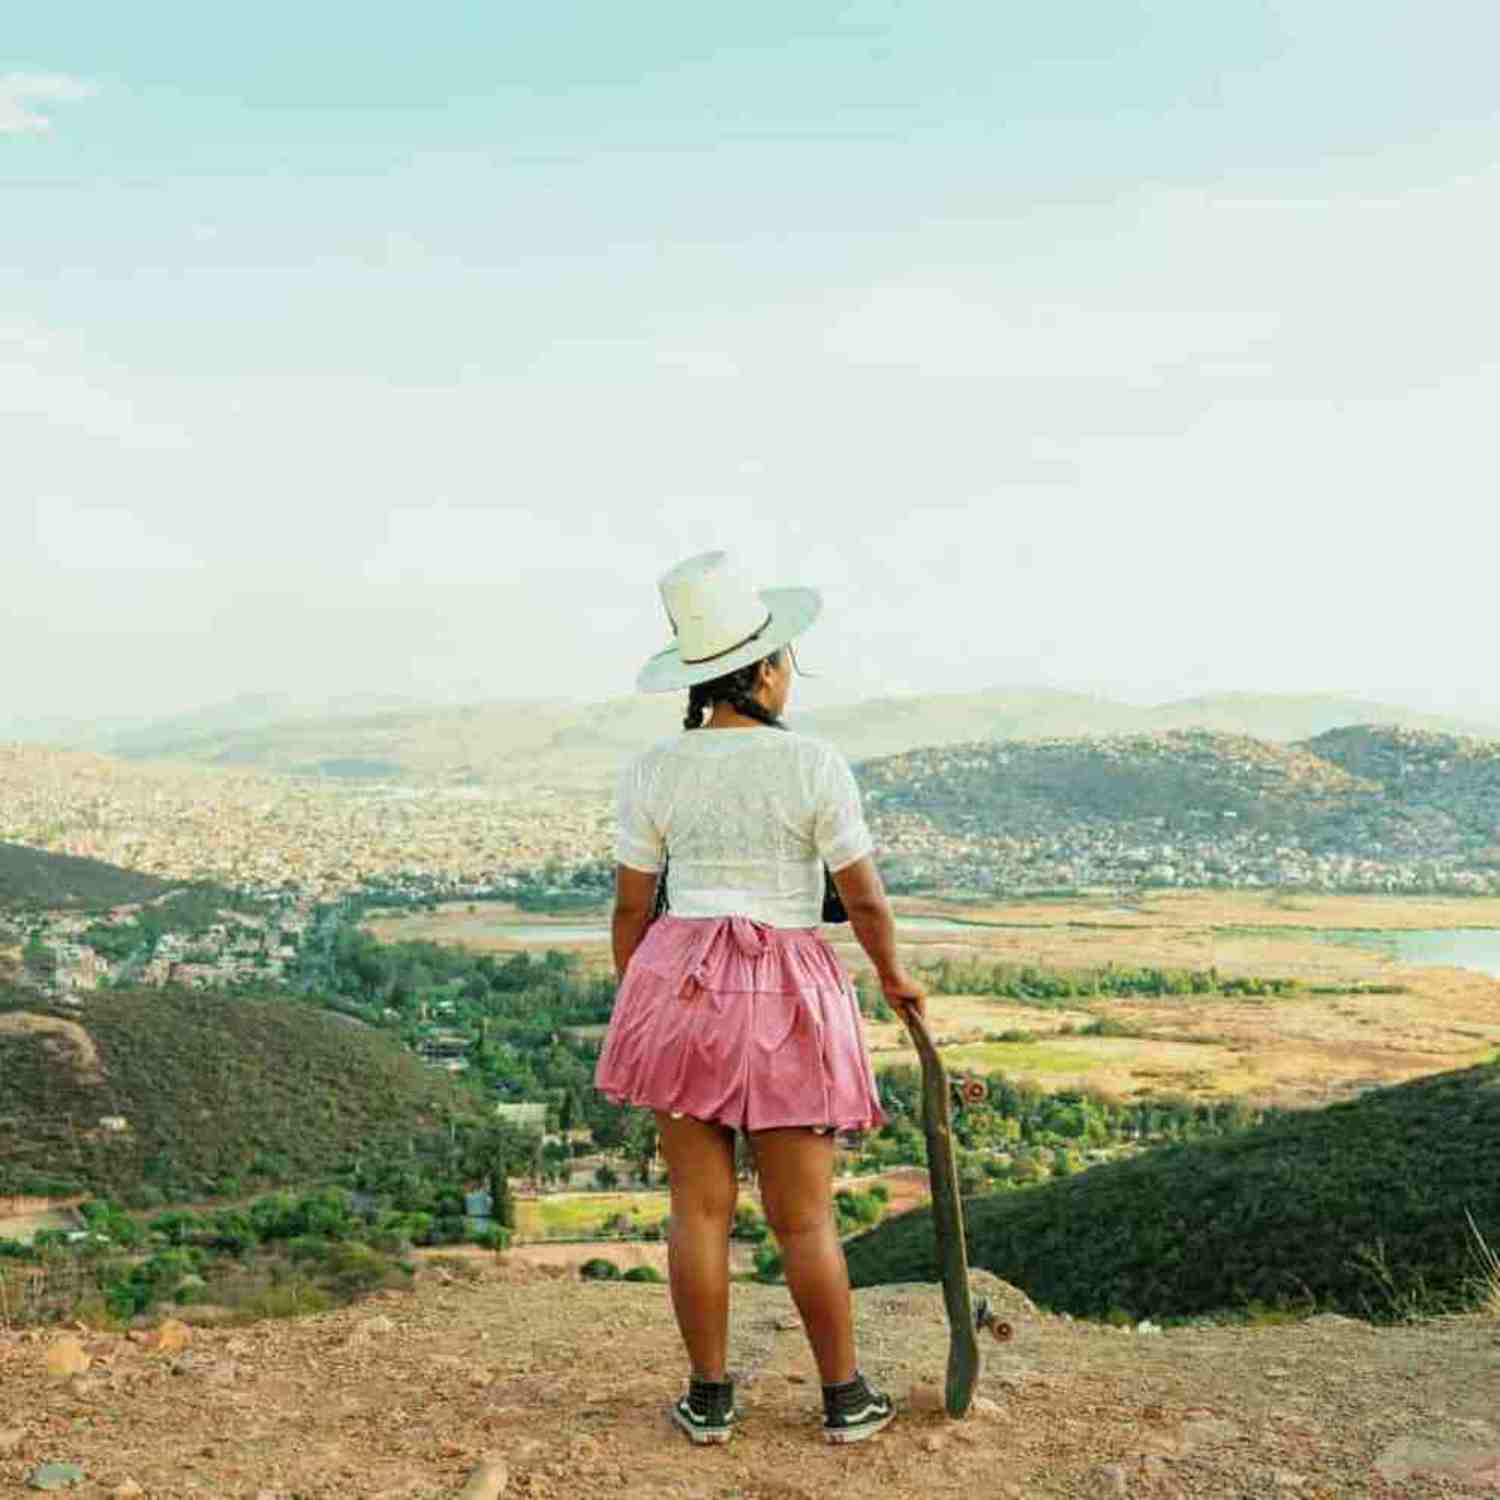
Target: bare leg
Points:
(700, 1161)
(796, 1183)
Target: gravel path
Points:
(567, 1382)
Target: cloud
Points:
(23, 95)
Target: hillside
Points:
(562, 1385)
(581, 744)
(1182, 777)
(1373, 807)
(1447, 780)
(218, 1092)
(33, 879)
(1357, 1208)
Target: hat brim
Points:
(791, 611)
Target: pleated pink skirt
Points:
(731, 1020)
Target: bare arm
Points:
(863, 894)
(635, 900)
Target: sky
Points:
(1140, 347)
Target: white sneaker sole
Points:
(861, 1432)
(700, 1435)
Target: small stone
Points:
(1110, 1481)
(11, 1438)
(129, 1490)
(1147, 1326)
(66, 1356)
(379, 1324)
(1202, 1431)
(173, 1335)
(55, 1477)
(487, 1481)
(932, 1443)
(984, 1407)
(926, 1395)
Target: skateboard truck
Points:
(984, 1317)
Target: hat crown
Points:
(712, 606)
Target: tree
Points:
(606, 1176)
(40, 960)
(502, 1200)
(641, 1144)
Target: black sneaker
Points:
(706, 1413)
(855, 1410)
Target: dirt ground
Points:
(567, 1382)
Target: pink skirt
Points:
(731, 1020)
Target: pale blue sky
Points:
(1146, 347)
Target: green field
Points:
(584, 1215)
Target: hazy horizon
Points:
(1143, 352)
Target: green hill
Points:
(1357, 1208)
(1404, 793)
(1188, 779)
(33, 879)
(220, 1094)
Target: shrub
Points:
(643, 1273)
(749, 1225)
(599, 1269)
(356, 1268)
(1358, 1207)
(767, 1264)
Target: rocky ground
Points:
(562, 1385)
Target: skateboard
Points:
(964, 1318)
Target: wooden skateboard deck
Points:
(947, 1220)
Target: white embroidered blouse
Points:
(749, 818)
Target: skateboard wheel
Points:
(1001, 1332)
(973, 1091)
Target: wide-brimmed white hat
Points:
(721, 622)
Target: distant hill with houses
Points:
(1374, 806)
(583, 744)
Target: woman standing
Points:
(733, 1012)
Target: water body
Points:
(541, 933)
(1475, 948)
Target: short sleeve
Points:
(638, 842)
(839, 828)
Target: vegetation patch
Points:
(34, 880)
(216, 1094)
(1359, 1208)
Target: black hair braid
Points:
(699, 699)
(736, 689)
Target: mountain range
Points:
(572, 744)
